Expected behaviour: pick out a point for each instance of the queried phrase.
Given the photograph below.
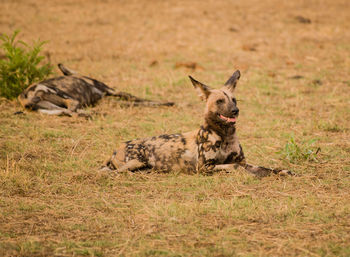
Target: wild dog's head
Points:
(221, 107)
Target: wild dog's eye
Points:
(220, 101)
(234, 100)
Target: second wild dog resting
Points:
(68, 94)
(212, 147)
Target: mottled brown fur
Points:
(68, 94)
(212, 147)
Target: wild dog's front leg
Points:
(59, 100)
(47, 107)
(206, 154)
(255, 170)
(259, 170)
(237, 159)
(52, 109)
(226, 167)
(262, 171)
(205, 168)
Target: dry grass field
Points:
(294, 57)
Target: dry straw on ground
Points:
(52, 202)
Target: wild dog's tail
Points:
(139, 101)
(66, 71)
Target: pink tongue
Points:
(228, 119)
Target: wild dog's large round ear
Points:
(202, 90)
(232, 81)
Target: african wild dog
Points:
(68, 94)
(212, 147)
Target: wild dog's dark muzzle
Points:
(235, 111)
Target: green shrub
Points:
(19, 66)
(295, 153)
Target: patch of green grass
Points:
(304, 151)
(21, 65)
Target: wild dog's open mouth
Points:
(227, 119)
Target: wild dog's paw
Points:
(206, 170)
(106, 171)
(286, 173)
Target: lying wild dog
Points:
(68, 94)
(212, 147)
